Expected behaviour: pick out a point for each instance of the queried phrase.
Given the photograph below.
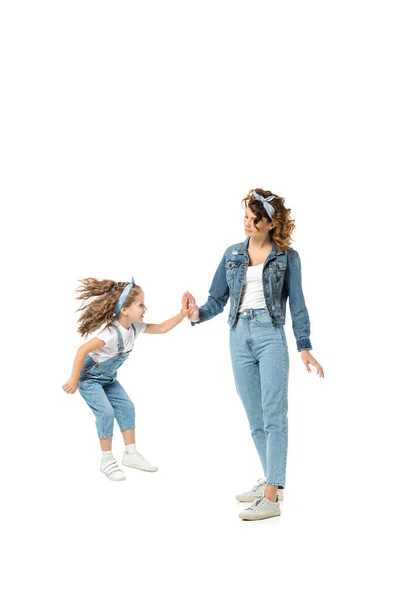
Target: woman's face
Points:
(264, 225)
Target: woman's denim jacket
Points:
(281, 280)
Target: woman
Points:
(258, 276)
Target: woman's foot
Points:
(261, 509)
(137, 461)
(257, 492)
(111, 469)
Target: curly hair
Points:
(102, 296)
(284, 225)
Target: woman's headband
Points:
(266, 203)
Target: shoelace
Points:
(259, 484)
(255, 505)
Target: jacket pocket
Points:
(231, 267)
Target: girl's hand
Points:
(185, 304)
(70, 386)
(308, 360)
(193, 310)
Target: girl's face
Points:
(136, 310)
(264, 225)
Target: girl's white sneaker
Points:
(257, 492)
(261, 509)
(137, 461)
(112, 470)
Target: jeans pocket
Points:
(263, 319)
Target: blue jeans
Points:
(106, 396)
(260, 362)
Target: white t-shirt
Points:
(110, 337)
(253, 292)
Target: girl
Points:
(120, 308)
(259, 275)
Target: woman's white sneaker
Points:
(112, 470)
(257, 492)
(137, 461)
(261, 509)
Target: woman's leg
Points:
(273, 356)
(247, 380)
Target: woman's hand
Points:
(70, 386)
(193, 311)
(308, 360)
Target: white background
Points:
(130, 132)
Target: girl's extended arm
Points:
(72, 383)
(170, 323)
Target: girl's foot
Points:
(137, 461)
(261, 509)
(257, 492)
(111, 469)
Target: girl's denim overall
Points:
(104, 394)
(260, 362)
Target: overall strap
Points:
(134, 329)
(120, 340)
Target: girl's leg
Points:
(247, 380)
(129, 436)
(106, 444)
(93, 392)
(123, 409)
(125, 415)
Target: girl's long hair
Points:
(281, 234)
(101, 296)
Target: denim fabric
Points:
(260, 362)
(104, 394)
(281, 280)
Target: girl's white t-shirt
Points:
(253, 292)
(110, 337)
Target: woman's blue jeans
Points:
(260, 362)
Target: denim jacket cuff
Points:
(303, 344)
(201, 318)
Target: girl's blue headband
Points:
(123, 296)
(266, 203)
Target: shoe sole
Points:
(242, 498)
(259, 518)
(139, 468)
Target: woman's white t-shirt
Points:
(253, 292)
(110, 337)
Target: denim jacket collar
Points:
(272, 254)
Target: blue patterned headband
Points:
(123, 296)
(266, 203)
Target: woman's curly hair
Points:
(284, 225)
(102, 296)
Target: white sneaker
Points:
(261, 509)
(112, 470)
(257, 492)
(137, 461)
